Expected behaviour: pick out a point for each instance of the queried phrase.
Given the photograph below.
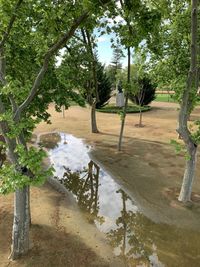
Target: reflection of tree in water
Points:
(129, 236)
(84, 185)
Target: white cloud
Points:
(118, 19)
(102, 39)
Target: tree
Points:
(179, 53)
(189, 93)
(140, 23)
(93, 95)
(26, 168)
(146, 92)
(115, 64)
(179, 46)
(92, 81)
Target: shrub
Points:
(130, 109)
(146, 92)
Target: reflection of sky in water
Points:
(72, 153)
(110, 202)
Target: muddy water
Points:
(134, 237)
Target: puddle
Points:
(135, 238)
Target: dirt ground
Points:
(147, 168)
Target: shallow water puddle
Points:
(134, 237)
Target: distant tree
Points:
(146, 92)
(115, 64)
(117, 56)
(140, 22)
(143, 94)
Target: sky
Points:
(104, 49)
(105, 52)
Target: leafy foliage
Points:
(145, 94)
(31, 173)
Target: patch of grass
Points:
(130, 109)
(165, 98)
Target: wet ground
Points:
(136, 239)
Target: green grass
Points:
(164, 98)
(130, 109)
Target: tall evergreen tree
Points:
(104, 86)
(115, 64)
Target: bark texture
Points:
(93, 118)
(21, 223)
(189, 174)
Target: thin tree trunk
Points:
(93, 68)
(186, 189)
(122, 123)
(20, 235)
(63, 111)
(140, 121)
(126, 102)
(141, 98)
(93, 118)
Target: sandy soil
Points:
(60, 235)
(146, 168)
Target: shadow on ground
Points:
(50, 247)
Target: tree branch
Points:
(92, 65)
(55, 47)
(94, 70)
(11, 22)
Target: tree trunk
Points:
(141, 98)
(122, 124)
(126, 102)
(186, 188)
(93, 68)
(63, 111)
(93, 118)
(20, 235)
(185, 111)
(22, 141)
(140, 121)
